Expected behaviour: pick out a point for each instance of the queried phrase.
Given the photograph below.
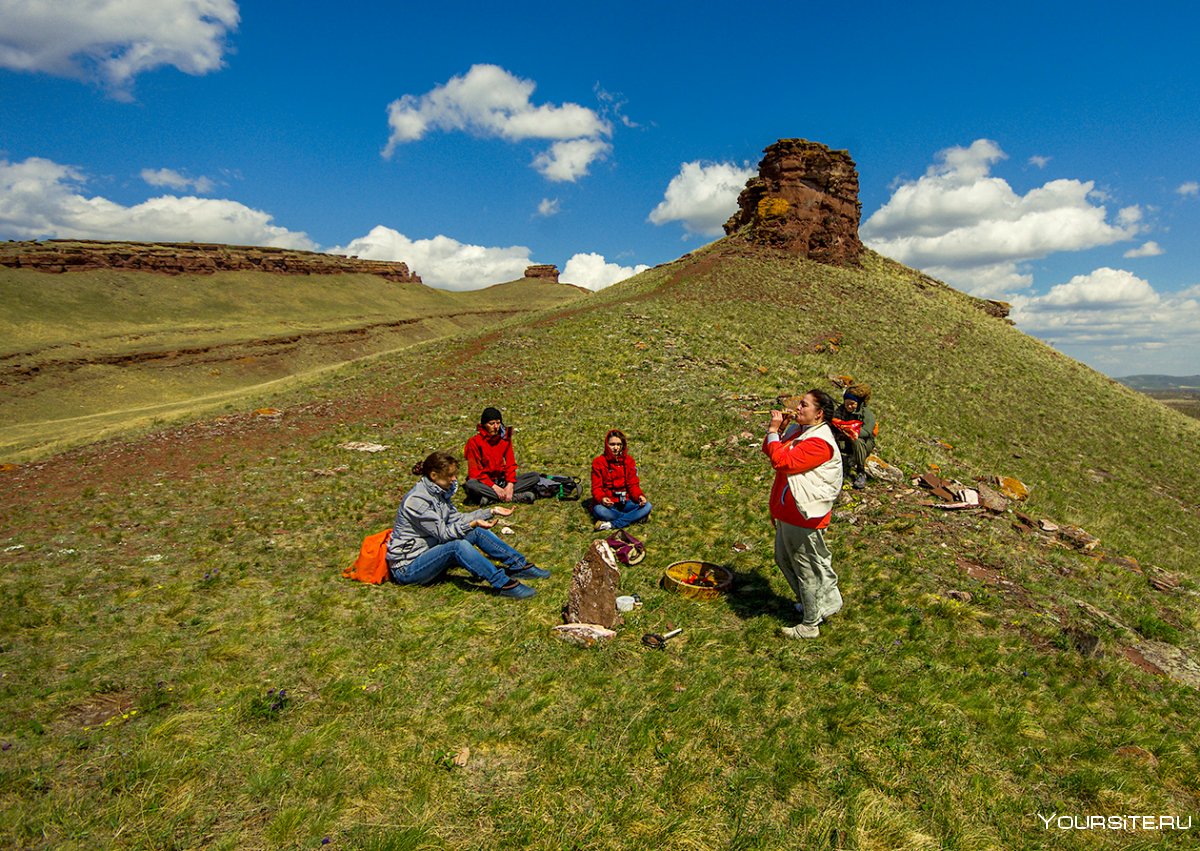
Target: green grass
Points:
(89, 354)
(915, 721)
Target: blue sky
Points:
(1044, 154)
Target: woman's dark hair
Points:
(825, 403)
(439, 462)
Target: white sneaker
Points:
(602, 526)
(800, 630)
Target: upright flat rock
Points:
(592, 598)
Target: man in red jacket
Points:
(491, 467)
(617, 497)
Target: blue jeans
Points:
(436, 560)
(621, 514)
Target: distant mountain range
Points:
(1161, 382)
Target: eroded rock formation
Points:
(804, 200)
(189, 258)
(592, 597)
(546, 271)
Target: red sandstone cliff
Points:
(190, 258)
(804, 200)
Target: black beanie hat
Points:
(490, 414)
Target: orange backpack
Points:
(371, 564)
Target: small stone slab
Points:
(991, 499)
(583, 634)
(1012, 488)
(877, 468)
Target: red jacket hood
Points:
(609, 455)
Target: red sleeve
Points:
(633, 484)
(599, 492)
(804, 456)
(475, 467)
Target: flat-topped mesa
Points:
(189, 258)
(805, 201)
(545, 271)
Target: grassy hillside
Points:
(163, 591)
(89, 353)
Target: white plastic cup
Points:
(625, 604)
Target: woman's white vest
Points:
(816, 490)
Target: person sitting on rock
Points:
(617, 497)
(855, 428)
(491, 467)
(430, 535)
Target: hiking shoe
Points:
(530, 571)
(602, 526)
(524, 497)
(516, 590)
(860, 481)
(800, 630)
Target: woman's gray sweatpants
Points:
(807, 565)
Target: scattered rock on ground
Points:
(583, 634)
(1078, 538)
(877, 468)
(991, 499)
(1171, 661)
(1011, 488)
(1160, 580)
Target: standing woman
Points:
(617, 497)
(430, 535)
(808, 478)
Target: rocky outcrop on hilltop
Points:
(805, 201)
(545, 272)
(189, 258)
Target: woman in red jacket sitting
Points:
(617, 497)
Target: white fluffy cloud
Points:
(702, 197)
(173, 179)
(1039, 161)
(112, 41)
(1148, 249)
(569, 161)
(549, 207)
(1189, 188)
(489, 101)
(442, 262)
(1111, 318)
(40, 198)
(961, 224)
(594, 272)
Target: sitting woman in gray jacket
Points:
(430, 535)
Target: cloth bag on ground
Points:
(628, 549)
